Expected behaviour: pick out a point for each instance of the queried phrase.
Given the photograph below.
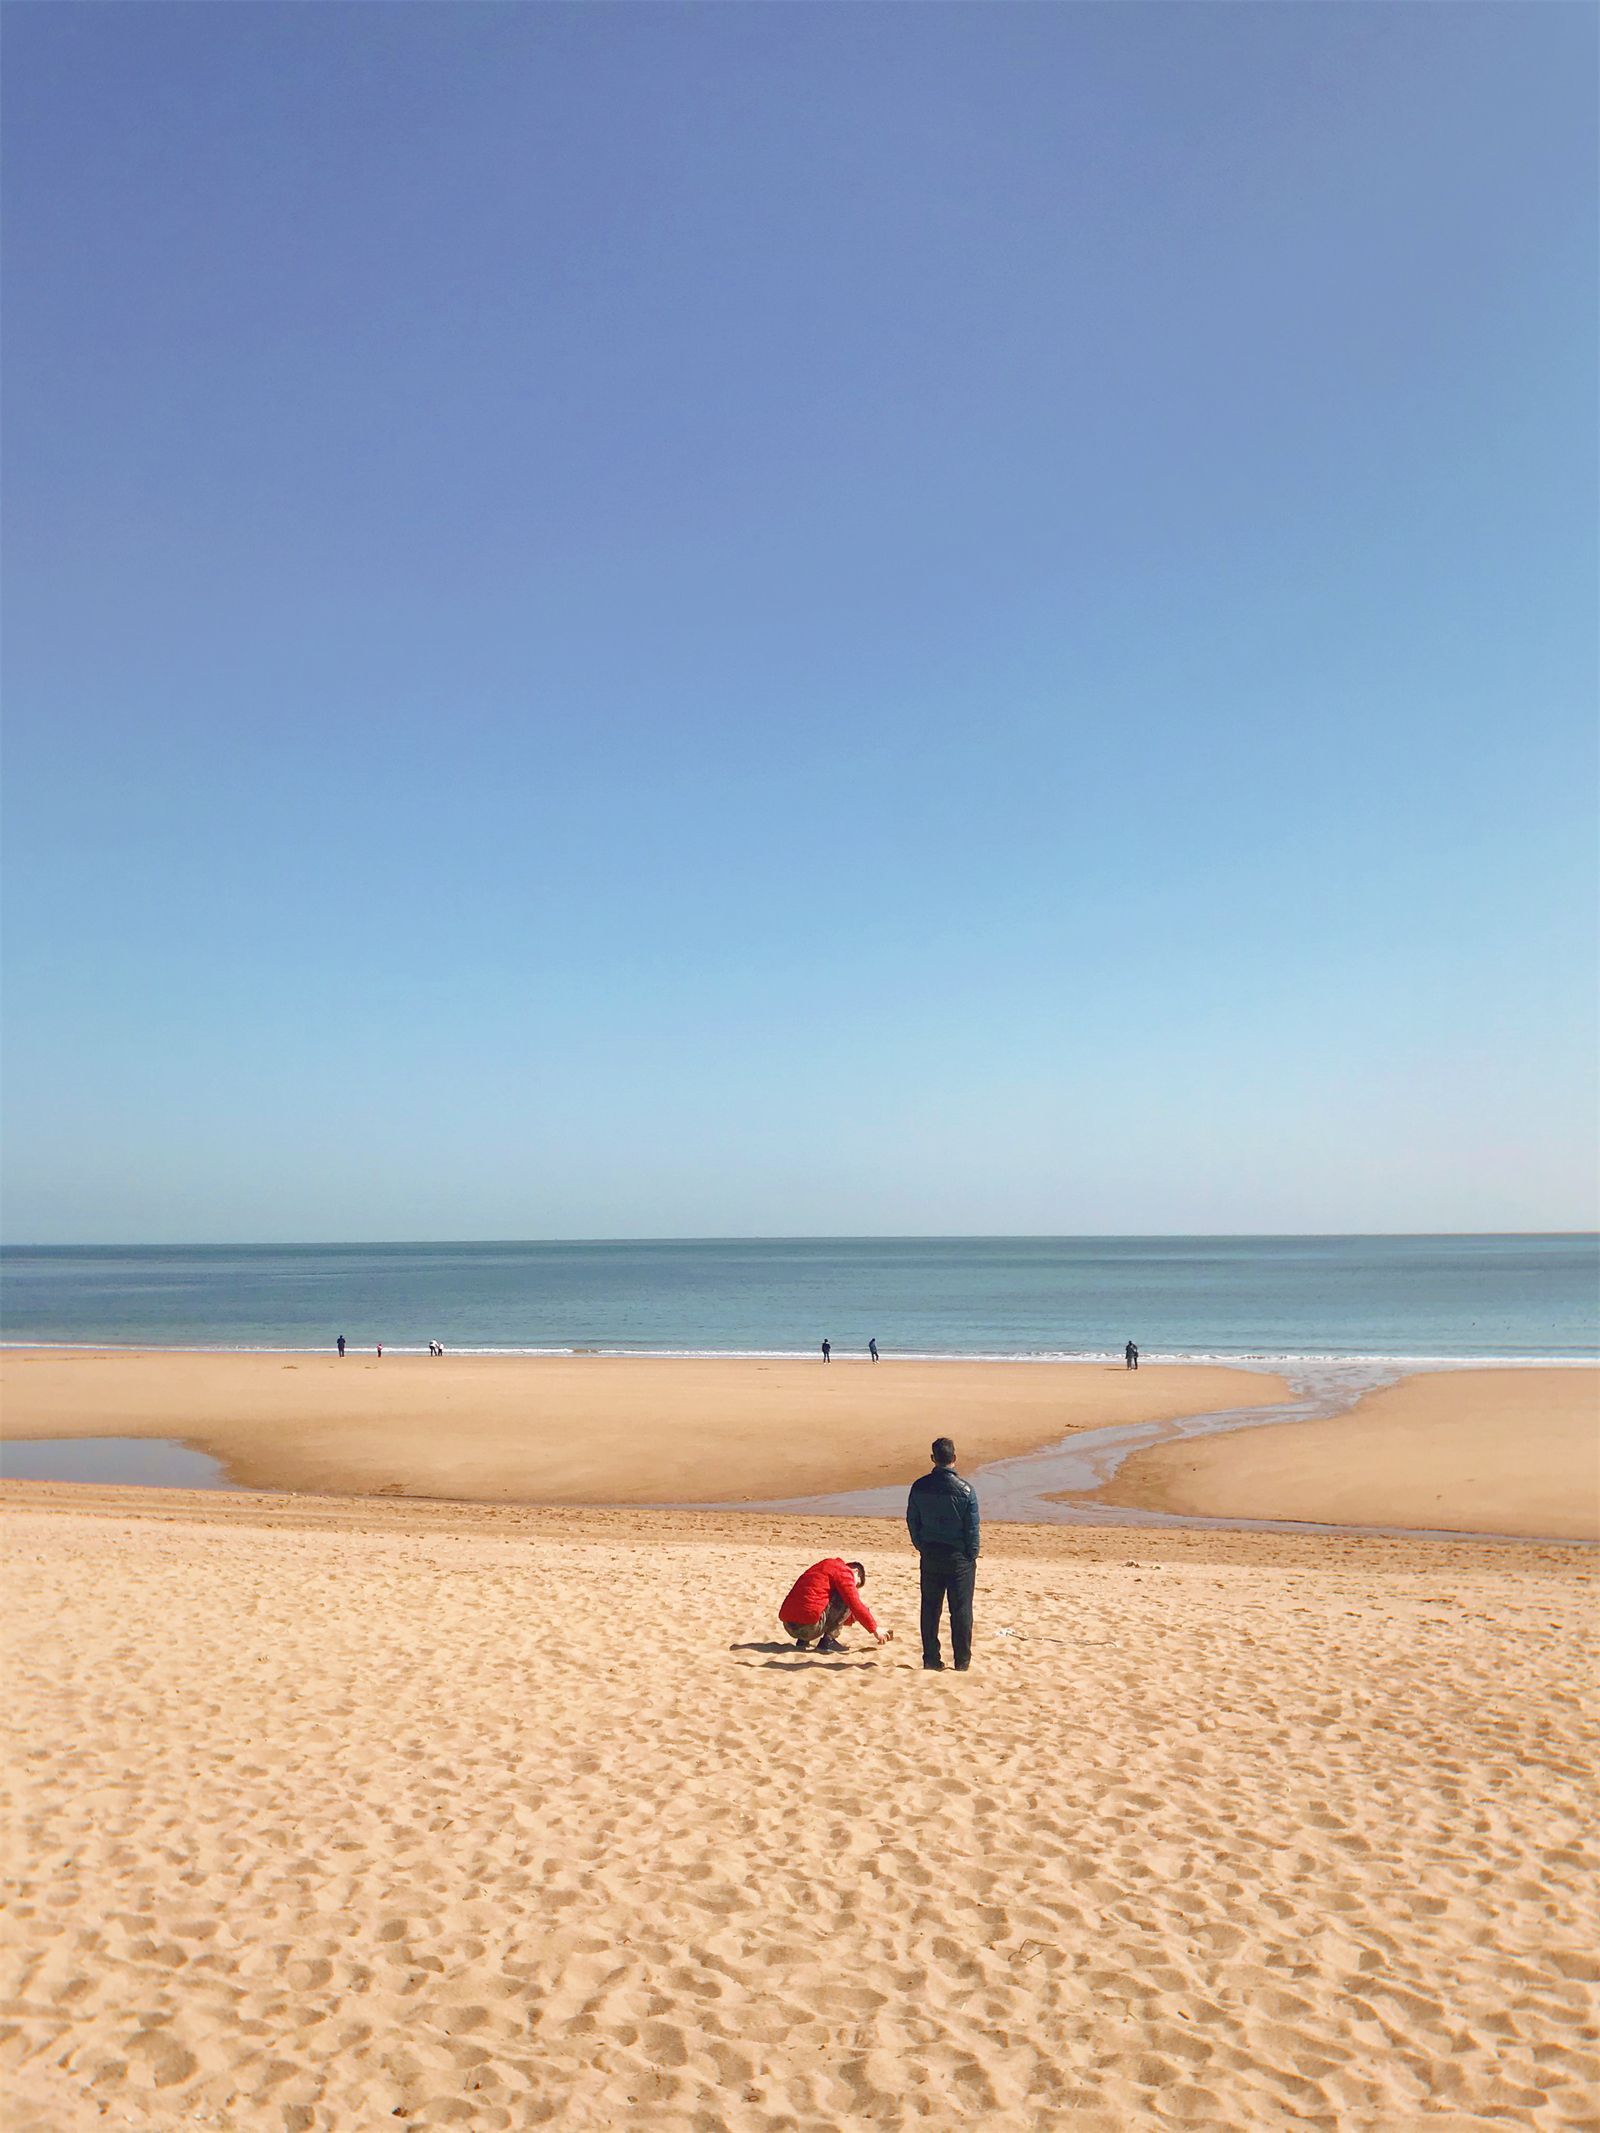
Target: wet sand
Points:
(1484, 1451)
(589, 1429)
(334, 1814)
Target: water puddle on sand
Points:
(149, 1462)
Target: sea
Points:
(1507, 1299)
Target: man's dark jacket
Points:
(942, 1512)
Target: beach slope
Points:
(320, 1821)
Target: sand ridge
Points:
(1484, 1451)
(316, 1826)
(590, 1429)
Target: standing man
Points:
(1130, 1355)
(827, 1351)
(942, 1519)
(872, 1349)
(341, 1344)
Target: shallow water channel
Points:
(1024, 1490)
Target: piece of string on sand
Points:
(1045, 1636)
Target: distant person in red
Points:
(820, 1600)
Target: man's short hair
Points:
(944, 1451)
(860, 1570)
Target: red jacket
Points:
(814, 1588)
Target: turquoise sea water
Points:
(1518, 1298)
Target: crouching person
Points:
(822, 1599)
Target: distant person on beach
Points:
(340, 1344)
(942, 1519)
(1130, 1355)
(380, 1347)
(827, 1351)
(436, 1348)
(821, 1599)
(872, 1349)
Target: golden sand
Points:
(1478, 1451)
(589, 1429)
(332, 1816)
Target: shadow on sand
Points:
(793, 1656)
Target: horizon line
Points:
(264, 1244)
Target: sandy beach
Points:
(589, 1429)
(1479, 1451)
(330, 1811)
(334, 1815)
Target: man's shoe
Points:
(963, 1666)
(829, 1644)
(933, 1666)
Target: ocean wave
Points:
(1273, 1360)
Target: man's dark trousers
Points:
(947, 1575)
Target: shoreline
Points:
(1255, 1359)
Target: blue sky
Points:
(669, 620)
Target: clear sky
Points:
(710, 620)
